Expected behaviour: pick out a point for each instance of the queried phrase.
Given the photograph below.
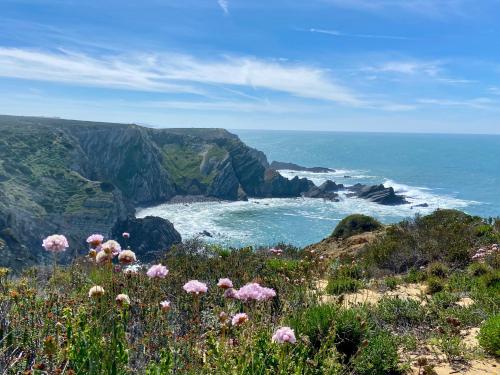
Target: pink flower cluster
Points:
(111, 247)
(276, 251)
(254, 292)
(157, 272)
(239, 319)
(95, 240)
(56, 243)
(225, 283)
(482, 253)
(195, 287)
(284, 335)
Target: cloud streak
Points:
(364, 36)
(224, 4)
(174, 73)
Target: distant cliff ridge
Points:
(77, 177)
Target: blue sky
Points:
(350, 65)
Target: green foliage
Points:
(438, 269)
(415, 276)
(355, 224)
(434, 285)
(402, 313)
(478, 269)
(391, 282)
(343, 284)
(316, 323)
(489, 335)
(378, 357)
(445, 235)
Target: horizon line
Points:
(143, 124)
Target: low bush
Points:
(435, 285)
(438, 269)
(478, 269)
(355, 224)
(445, 235)
(402, 313)
(315, 322)
(391, 282)
(378, 357)
(343, 284)
(489, 335)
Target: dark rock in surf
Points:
(378, 194)
(277, 165)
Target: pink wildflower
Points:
(276, 251)
(284, 335)
(255, 292)
(230, 293)
(165, 306)
(111, 247)
(127, 257)
(56, 243)
(102, 257)
(122, 300)
(225, 283)
(157, 271)
(126, 235)
(239, 319)
(96, 291)
(195, 287)
(95, 240)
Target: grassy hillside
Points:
(392, 304)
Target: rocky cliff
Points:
(77, 177)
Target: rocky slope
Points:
(77, 177)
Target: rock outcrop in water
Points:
(327, 190)
(378, 194)
(277, 165)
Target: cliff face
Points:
(76, 177)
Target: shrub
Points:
(415, 276)
(434, 285)
(355, 224)
(491, 280)
(315, 322)
(478, 269)
(350, 330)
(343, 284)
(489, 335)
(438, 269)
(403, 313)
(445, 235)
(391, 282)
(379, 357)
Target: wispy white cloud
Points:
(408, 67)
(224, 4)
(174, 73)
(475, 103)
(349, 35)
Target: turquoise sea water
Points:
(444, 171)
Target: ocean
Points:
(444, 171)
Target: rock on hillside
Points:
(149, 236)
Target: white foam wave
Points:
(267, 221)
(340, 175)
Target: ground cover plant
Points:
(205, 309)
